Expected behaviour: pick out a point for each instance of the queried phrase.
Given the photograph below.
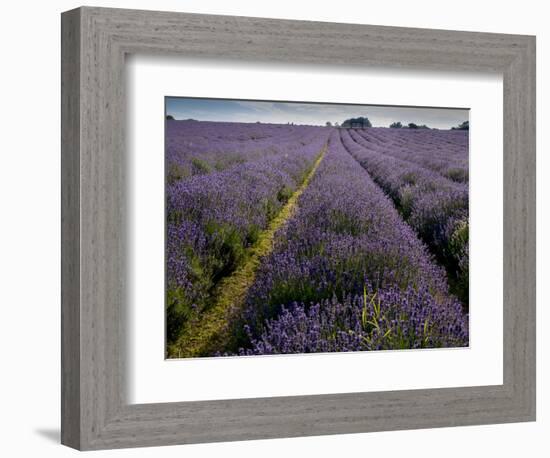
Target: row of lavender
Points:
(347, 273)
(435, 206)
(443, 151)
(212, 218)
(196, 148)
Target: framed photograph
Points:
(302, 234)
(277, 228)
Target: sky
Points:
(308, 113)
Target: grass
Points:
(209, 333)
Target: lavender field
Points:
(284, 238)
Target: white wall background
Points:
(30, 228)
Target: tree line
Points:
(363, 122)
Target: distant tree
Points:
(170, 118)
(336, 124)
(412, 125)
(328, 124)
(396, 125)
(463, 126)
(360, 122)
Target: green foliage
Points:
(406, 194)
(227, 248)
(271, 208)
(410, 178)
(253, 234)
(459, 239)
(360, 122)
(284, 194)
(228, 160)
(178, 312)
(412, 125)
(180, 308)
(378, 327)
(463, 126)
(459, 260)
(200, 166)
(176, 172)
(457, 174)
(227, 251)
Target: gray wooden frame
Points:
(95, 413)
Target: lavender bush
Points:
(445, 152)
(387, 320)
(197, 148)
(435, 206)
